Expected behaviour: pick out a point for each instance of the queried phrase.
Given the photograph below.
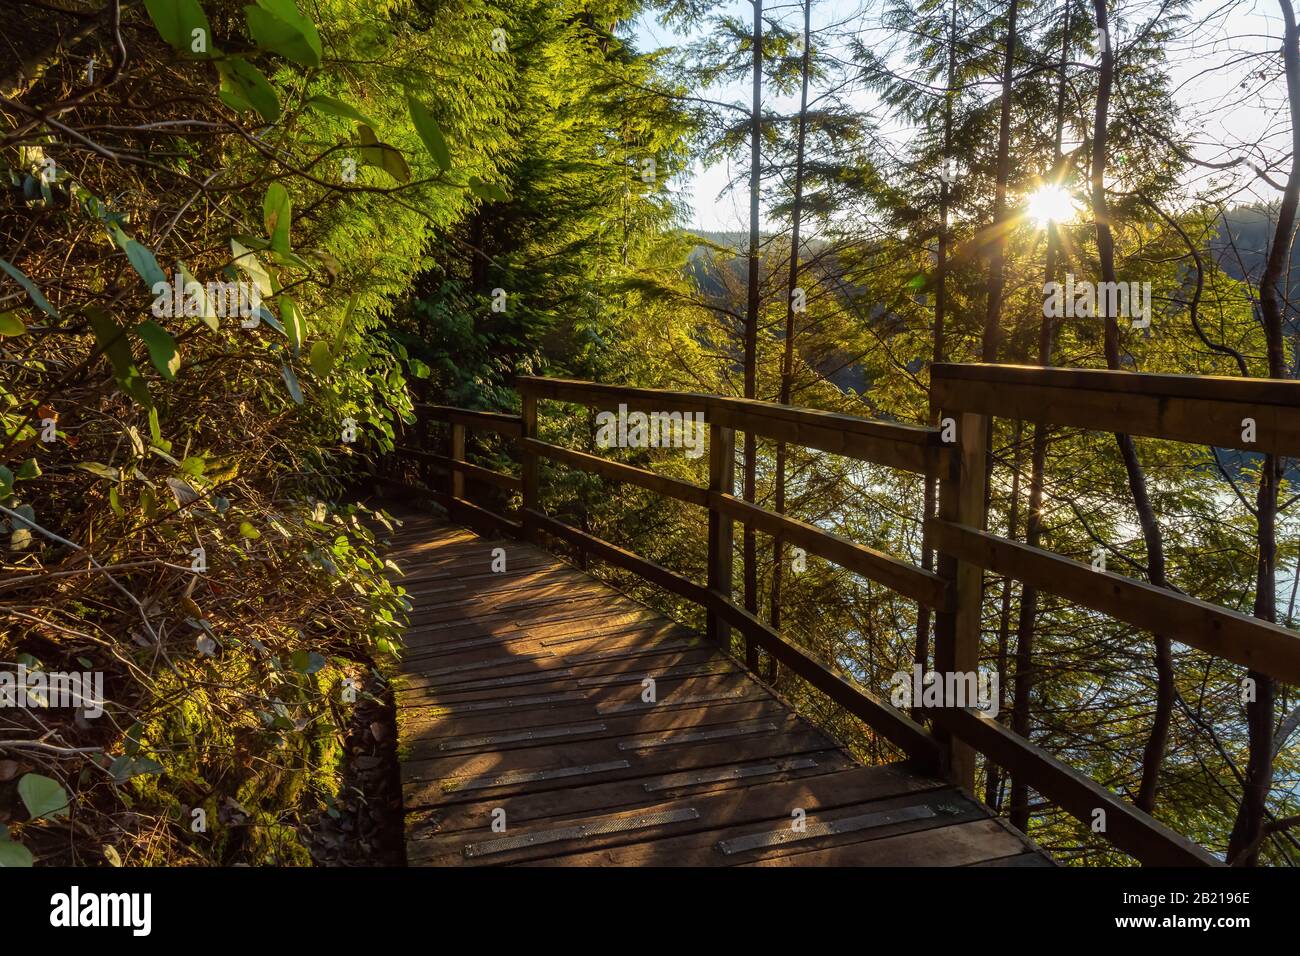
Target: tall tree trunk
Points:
(750, 555)
(1244, 843)
(1154, 752)
(1027, 617)
(923, 616)
(997, 261)
(787, 358)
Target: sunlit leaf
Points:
(177, 20)
(430, 133)
(278, 26)
(30, 287)
(321, 358)
(162, 348)
(43, 796)
(277, 212)
(243, 87)
(328, 104)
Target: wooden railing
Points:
(1183, 408)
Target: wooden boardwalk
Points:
(523, 704)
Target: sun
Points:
(1051, 204)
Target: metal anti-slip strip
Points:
(669, 740)
(676, 780)
(580, 831)
(517, 735)
(758, 841)
(667, 702)
(529, 776)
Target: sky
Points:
(1216, 51)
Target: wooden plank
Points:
(1199, 409)
(897, 575)
(768, 804)
(422, 779)
(508, 425)
(586, 796)
(824, 799)
(1127, 827)
(1259, 645)
(618, 471)
(961, 844)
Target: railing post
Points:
(528, 465)
(457, 454)
(957, 629)
(722, 479)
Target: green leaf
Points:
(322, 360)
(487, 191)
(6, 482)
(162, 348)
(195, 288)
(14, 855)
(243, 87)
(29, 469)
(142, 260)
(102, 470)
(291, 381)
(10, 324)
(430, 132)
(32, 291)
(124, 768)
(246, 530)
(251, 267)
(177, 20)
(42, 796)
(155, 433)
(382, 156)
(345, 324)
(112, 339)
(278, 26)
(306, 662)
(328, 104)
(277, 212)
(295, 324)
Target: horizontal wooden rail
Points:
(1127, 827)
(898, 575)
(617, 471)
(508, 425)
(486, 475)
(909, 447)
(889, 722)
(1259, 645)
(1198, 409)
(598, 547)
